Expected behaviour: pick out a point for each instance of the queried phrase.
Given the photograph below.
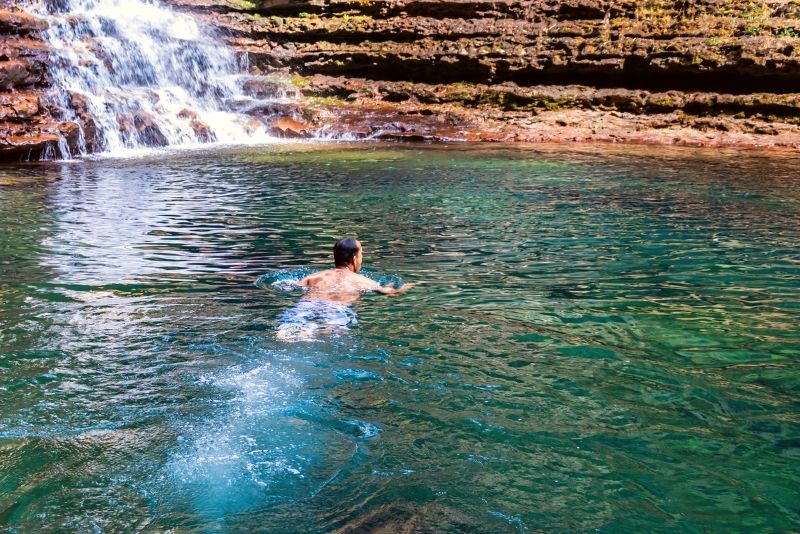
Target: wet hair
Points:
(344, 251)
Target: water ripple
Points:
(599, 340)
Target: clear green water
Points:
(602, 340)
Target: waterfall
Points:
(137, 74)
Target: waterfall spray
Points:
(136, 74)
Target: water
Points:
(137, 74)
(601, 340)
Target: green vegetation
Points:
(666, 11)
(298, 81)
(755, 18)
(790, 32)
(747, 18)
(732, 18)
(328, 101)
(351, 16)
(243, 4)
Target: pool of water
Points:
(600, 340)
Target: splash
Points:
(288, 280)
(283, 281)
(137, 75)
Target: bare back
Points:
(338, 285)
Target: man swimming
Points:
(343, 284)
(326, 308)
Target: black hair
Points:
(344, 251)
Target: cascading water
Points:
(137, 74)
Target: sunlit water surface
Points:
(600, 340)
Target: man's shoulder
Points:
(365, 281)
(315, 278)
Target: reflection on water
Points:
(600, 340)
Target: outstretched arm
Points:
(391, 291)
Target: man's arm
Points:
(389, 290)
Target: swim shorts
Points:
(311, 318)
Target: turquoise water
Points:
(601, 340)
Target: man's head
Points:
(347, 253)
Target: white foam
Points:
(138, 58)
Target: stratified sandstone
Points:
(703, 72)
(28, 129)
(676, 71)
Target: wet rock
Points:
(19, 22)
(142, 128)
(187, 114)
(263, 88)
(28, 144)
(287, 127)
(18, 106)
(15, 74)
(148, 132)
(252, 126)
(602, 70)
(270, 109)
(71, 133)
(80, 107)
(202, 131)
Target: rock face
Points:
(710, 72)
(28, 129)
(695, 72)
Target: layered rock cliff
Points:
(27, 128)
(695, 72)
(674, 71)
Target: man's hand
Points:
(390, 291)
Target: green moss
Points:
(351, 16)
(243, 4)
(458, 96)
(490, 98)
(308, 114)
(298, 81)
(327, 101)
(666, 12)
(747, 18)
